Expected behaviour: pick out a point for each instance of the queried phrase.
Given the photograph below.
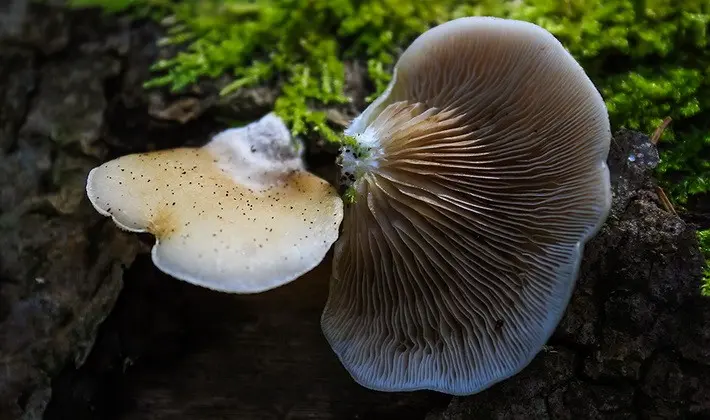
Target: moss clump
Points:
(298, 44)
(350, 195)
(650, 58)
(704, 239)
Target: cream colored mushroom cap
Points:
(240, 214)
(484, 177)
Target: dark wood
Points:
(206, 355)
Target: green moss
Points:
(704, 239)
(300, 45)
(350, 195)
(350, 142)
(650, 58)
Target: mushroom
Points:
(240, 214)
(477, 177)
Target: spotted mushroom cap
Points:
(480, 176)
(240, 214)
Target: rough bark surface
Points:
(60, 271)
(89, 329)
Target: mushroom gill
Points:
(240, 214)
(479, 175)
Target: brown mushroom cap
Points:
(484, 177)
(240, 214)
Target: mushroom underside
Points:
(463, 246)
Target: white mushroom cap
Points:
(240, 214)
(482, 178)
